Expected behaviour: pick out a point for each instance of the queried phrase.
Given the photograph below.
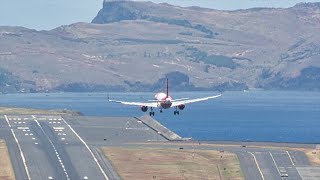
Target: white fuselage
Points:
(164, 101)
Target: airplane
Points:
(164, 101)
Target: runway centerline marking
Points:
(95, 159)
(21, 152)
(54, 148)
(255, 159)
(275, 164)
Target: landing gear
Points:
(176, 112)
(151, 113)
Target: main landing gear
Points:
(176, 112)
(151, 113)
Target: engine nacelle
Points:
(144, 108)
(181, 106)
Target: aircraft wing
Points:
(148, 104)
(187, 101)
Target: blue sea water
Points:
(276, 116)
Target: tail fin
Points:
(167, 87)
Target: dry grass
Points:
(6, 170)
(313, 155)
(173, 164)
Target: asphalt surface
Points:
(54, 147)
(44, 147)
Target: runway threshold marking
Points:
(85, 144)
(255, 159)
(275, 164)
(22, 128)
(54, 148)
(19, 147)
(290, 158)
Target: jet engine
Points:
(144, 108)
(181, 106)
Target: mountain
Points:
(134, 46)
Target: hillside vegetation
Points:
(134, 46)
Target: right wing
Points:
(187, 101)
(148, 104)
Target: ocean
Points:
(270, 116)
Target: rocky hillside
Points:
(134, 46)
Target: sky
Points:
(49, 14)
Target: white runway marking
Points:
(54, 148)
(255, 159)
(58, 128)
(290, 158)
(21, 153)
(275, 163)
(95, 159)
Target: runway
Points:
(68, 147)
(49, 149)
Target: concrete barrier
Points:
(159, 128)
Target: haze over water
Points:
(276, 116)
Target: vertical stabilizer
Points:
(167, 87)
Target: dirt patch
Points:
(313, 156)
(6, 170)
(173, 164)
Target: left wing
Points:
(148, 104)
(177, 103)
